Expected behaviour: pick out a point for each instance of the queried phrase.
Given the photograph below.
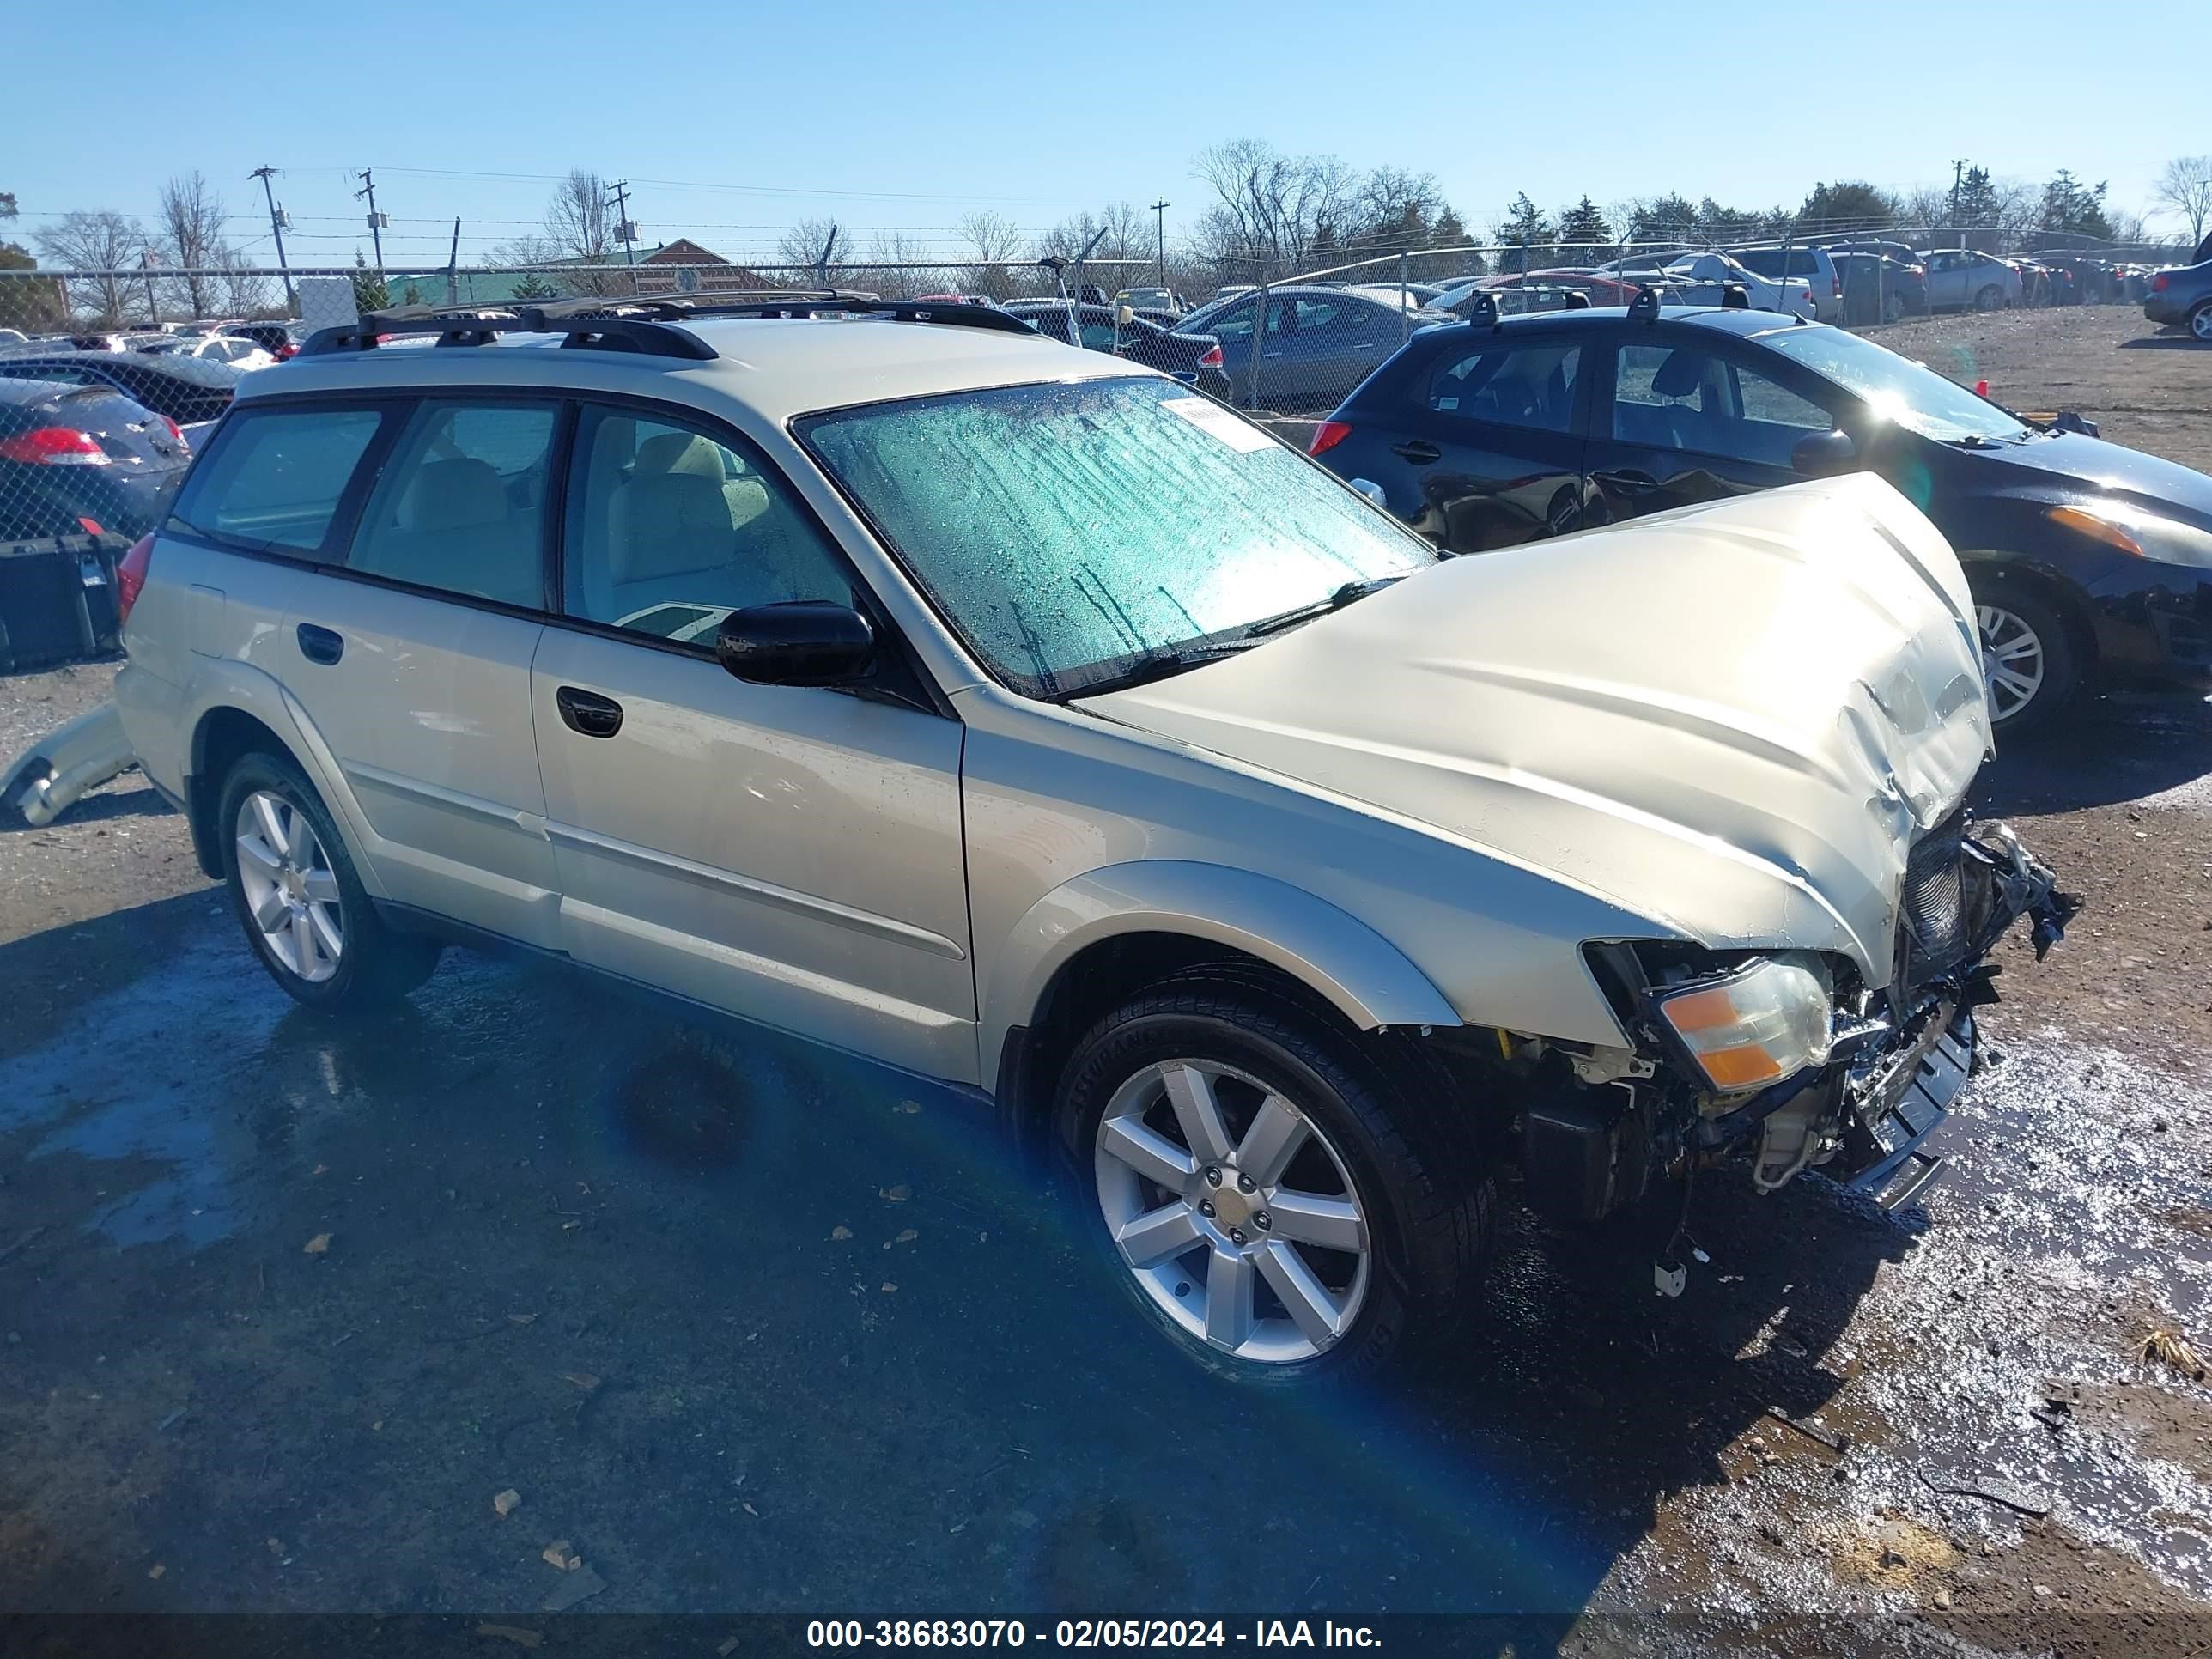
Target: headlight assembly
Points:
(2133, 530)
(1764, 1023)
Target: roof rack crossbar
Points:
(638, 324)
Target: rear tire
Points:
(2200, 322)
(293, 886)
(1253, 1297)
(1990, 298)
(2027, 659)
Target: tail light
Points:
(1836, 281)
(2158, 283)
(286, 352)
(54, 446)
(1212, 360)
(175, 431)
(1328, 435)
(130, 576)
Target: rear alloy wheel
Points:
(2200, 322)
(294, 888)
(1261, 1184)
(291, 896)
(2027, 663)
(1990, 298)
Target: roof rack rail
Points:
(643, 325)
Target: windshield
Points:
(1074, 532)
(1898, 390)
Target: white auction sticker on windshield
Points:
(1239, 434)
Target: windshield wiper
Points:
(1336, 601)
(1155, 666)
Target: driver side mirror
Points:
(799, 642)
(1124, 315)
(1823, 455)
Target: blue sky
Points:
(734, 122)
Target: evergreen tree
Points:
(1847, 205)
(1976, 199)
(1583, 228)
(370, 293)
(1523, 223)
(2075, 208)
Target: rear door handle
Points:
(1418, 451)
(587, 713)
(320, 645)
(1628, 482)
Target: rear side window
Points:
(1530, 385)
(461, 505)
(276, 477)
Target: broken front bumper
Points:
(1904, 1069)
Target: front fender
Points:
(1339, 957)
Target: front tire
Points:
(2027, 660)
(294, 891)
(1262, 1186)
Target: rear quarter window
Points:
(275, 478)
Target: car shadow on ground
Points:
(2176, 341)
(758, 1326)
(2121, 747)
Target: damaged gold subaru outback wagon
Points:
(895, 677)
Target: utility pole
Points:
(376, 221)
(153, 306)
(822, 264)
(625, 231)
(1958, 171)
(1160, 224)
(277, 228)
(454, 267)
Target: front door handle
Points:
(587, 713)
(1627, 481)
(320, 645)
(1418, 451)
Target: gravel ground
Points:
(755, 1327)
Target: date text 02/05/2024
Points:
(1085, 1633)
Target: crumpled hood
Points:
(1732, 720)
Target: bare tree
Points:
(992, 243)
(247, 292)
(906, 270)
(580, 225)
(989, 240)
(809, 243)
(524, 251)
(2183, 187)
(191, 238)
(105, 241)
(1274, 212)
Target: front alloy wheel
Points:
(2027, 659)
(1288, 1202)
(290, 891)
(1239, 1219)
